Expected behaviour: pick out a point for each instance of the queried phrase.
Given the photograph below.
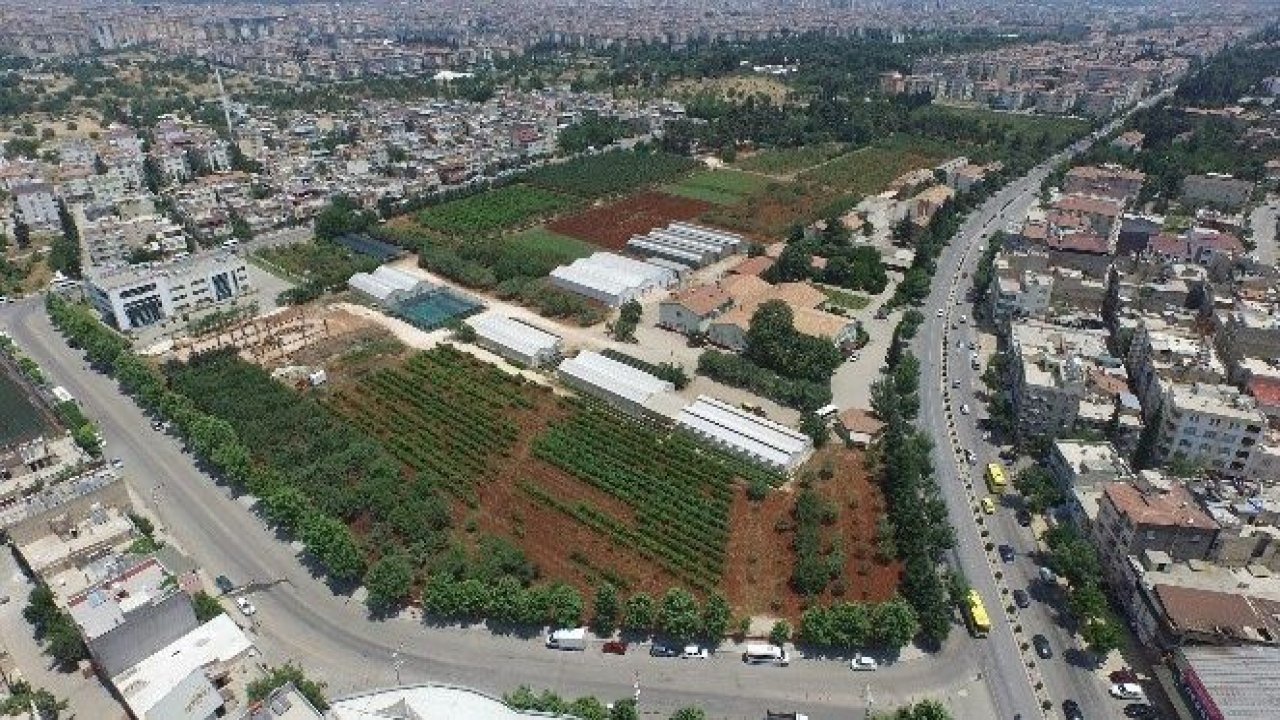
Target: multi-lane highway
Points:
(1018, 681)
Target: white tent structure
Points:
(515, 339)
(688, 244)
(611, 279)
(617, 383)
(758, 439)
(386, 284)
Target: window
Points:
(1151, 534)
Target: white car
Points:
(962, 319)
(245, 606)
(1127, 691)
(117, 463)
(955, 383)
(693, 652)
(939, 313)
(964, 409)
(862, 662)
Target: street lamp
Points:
(397, 662)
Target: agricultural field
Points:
(1061, 130)
(610, 173)
(869, 170)
(732, 87)
(493, 211)
(611, 226)
(324, 262)
(770, 213)
(788, 161)
(719, 187)
(540, 242)
(20, 418)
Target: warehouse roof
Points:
(510, 333)
(427, 702)
(613, 274)
(151, 681)
(745, 433)
(614, 377)
(1242, 681)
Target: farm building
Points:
(687, 244)
(619, 384)
(729, 329)
(758, 439)
(611, 279)
(387, 285)
(516, 340)
(692, 310)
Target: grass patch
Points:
(720, 187)
(610, 173)
(869, 170)
(494, 210)
(847, 300)
(785, 161)
(543, 243)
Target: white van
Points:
(826, 412)
(765, 654)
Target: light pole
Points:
(867, 699)
(397, 662)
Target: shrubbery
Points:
(740, 372)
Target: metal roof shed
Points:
(372, 287)
(756, 438)
(617, 383)
(399, 279)
(515, 340)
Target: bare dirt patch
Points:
(761, 558)
(611, 225)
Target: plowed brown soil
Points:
(611, 225)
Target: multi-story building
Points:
(1050, 367)
(1216, 188)
(1161, 354)
(1150, 515)
(136, 297)
(1107, 181)
(1215, 426)
(36, 204)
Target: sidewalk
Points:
(87, 698)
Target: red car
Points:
(1124, 676)
(615, 647)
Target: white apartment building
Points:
(1214, 425)
(1050, 374)
(36, 204)
(1160, 354)
(135, 297)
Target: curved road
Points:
(301, 618)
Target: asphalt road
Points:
(1017, 680)
(301, 618)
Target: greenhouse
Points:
(622, 385)
(745, 434)
(516, 340)
(611, 279)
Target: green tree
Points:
(288, 673)
(64, 644)
(206, 606)
(816, 428)
(1103, 635)
(605, 608)
(565, 605)
(895, 622)
(624, 709)
(1038, 488)
(689, 713)
(389, 581)
(639, 614)
(780, 633)
(332, 543)
(716, 615)
(679, 615)
(287, 506)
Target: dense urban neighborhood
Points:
(681, 360)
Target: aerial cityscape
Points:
(688, 360)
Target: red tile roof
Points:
(1265, 389)
(753, 266)
(1175, 507)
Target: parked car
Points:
(955, 383)
(1123, 675)
(1142, 711)
(1021, 598)
(694, 652)
(1006, 553)
(224, 584)
(615, 647)
(1127, 691)
(988, 506)
(1024, 517)
(939, 312)
(1071, 710)
(862, 662)
(969, 456)
(663, 651)
(964, 409)
(117, 463)
(245, 606)
(157, 425)
(1041, 644)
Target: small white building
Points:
(617, 383)
(516, 340)
(138, 296)
(386, 285)
(611, 279)
(744, 434)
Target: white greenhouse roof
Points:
(428, 702)
(513, 334)
(614, 377)
(371, 286)
(613, 275)
(745, 433)
(397, 278)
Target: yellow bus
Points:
(975, 614)
(995, 479)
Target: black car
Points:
(1024, 517)
(1140, 711)
(1071, 710)
(663, 651)
(1006, 553)
(1021, 598)
(224, 584)
(1042, 647)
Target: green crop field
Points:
(720, 187)
(18, 417)
(494, 210)
(785, 161)
(869, 170)
(543, 243)
(593, 176)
